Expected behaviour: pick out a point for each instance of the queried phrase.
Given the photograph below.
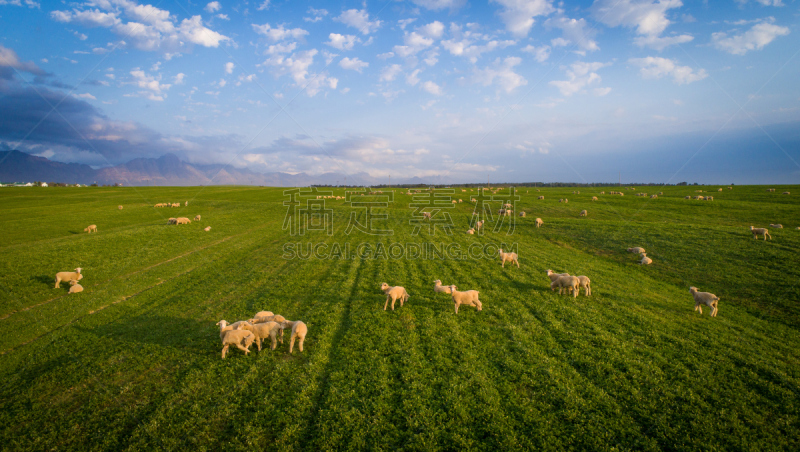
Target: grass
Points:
(132, 363)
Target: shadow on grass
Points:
(45, 279)
(194, 336)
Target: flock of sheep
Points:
(263, 325)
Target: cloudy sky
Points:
(512, 90)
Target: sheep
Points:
(709, 198)
(776, 226)
(555, 276)
(197, 218)
(75, 287)
(511, 257)
(585, 283)
(653, 196)
(263, 314)
(594, 198)
(182, 220)
(687, 197)
(567, 283)
(264, 330)
(455, 202)
(91, 228)
(299, 331)
(719, 189)
(770, 189)
(539, 222)
(426, 215)
(479, 225)
(501, 212)
(704, 298)
(603, 193)
(645, 260)
(541, 197)
(661, 193)
(460, 200)
(207, 228)
(439, 288)
(186, 204)
(730, 188)
(523, 214)
(394, 293)
(231, 335)
(470, 231)
(172, 221)
(786, 193)
(760, 231)
(68, 276)
(467, 298)
(636, 250)
(473, 200)
(119, 207)
(584, 213)
(176, 204)
(566, 200)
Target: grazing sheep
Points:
(473, 200)
(653, 196)
(510, 257)
(74, 287)
(786, 193)
(426, 215)
(760, 231)
(645, 260)
(119, 207)
(467, 298)
(470, 231)
(661, 193)
(439, 288)
(177, 204)
(594, 198)
(776, 226)
(636, 249)
(394, 293)
(479, 225)
(770, 189)
(299, 331)
(719, 189)
(602, 193)
(539, 222)
(68, 277)
(585, 283)
(584, 213)
(555, 276)
(197, 218)
(704, 298)
(522, 214)
(91, 228)
(455, 202)
(566, 283)
(541, 197)
(687, 197)
(172, 221)
(234, 335)
(501, 212)
(264, 330)
(182, 220)
(730, 188)
(207, 228)
(709, 198)
(263, 314)
(460, 200)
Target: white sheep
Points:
(231, 335)
(786, 193)
(197, 218)
(91, 228)
(470, 231)
(687, 197)
(645, 260)
(119, 207)
(522, 214)
(277, 318)
(426, 215)
(207, 228)
(68, 277)
(719, 189)
(770, 189)
(479, 225)
(636, 250)
(299, 331)
(566, 283)
(653, 196)
(467, 298)
(74, 287)
(264, 330)
(439, 288)
(186, 204)
(394, 293)
(594, 198)
(539, 222)
(554, 276)
(510, 257)
(585, 283)
(460, 200)
(760, 231)
(776, 226)
(541, 197)
(263, 314)
(584, 213)
(704, 298)
(182, 220)
(603, 193)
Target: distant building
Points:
(44, 184)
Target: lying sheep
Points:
(439, 288)
(585, 283)
(197, 218)
(207, 228)
(566, 283)
(555, 276)
(467, 298)
(760, 231)
(299, 331)
(776, 226)
(263, 314)
(74, 287)
(91, 228)
(645, 260)
(687, 197)
(510, 257)
(539, 222)
(470, 231)
(231, 335)
(704, 298)
(584, 213)
(68, 277)
(636, 250)
(786, 193)
(394, 293)
(119, 207)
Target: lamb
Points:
(645, 260)
(119, 207)
(394, 293)
(263, 314)
(555, 276)
(197, 218)
(719, 189)
(567, 283)
(439, 288)
(299, 331)
(460, 200)
(207, 228)
(91, 228)
(760, 231)
(68, 276)
(594, 198)
(511, 257)
(231, 335)
(182, 220)
(264, 330)
(539, 222)
(541, 197)
(479, 225)
(426, 215)
(585, 283)
(522, 214)
(776, 226)
(704, 298)
(470, 231)
(467, 298)
(75, 287)
(584, 213)
(636, 249)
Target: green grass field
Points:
(133, 362)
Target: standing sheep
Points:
(68, 277)
(510, 257)
(479, 225)
(186, 204)
(584, 213)
(467, 298)
(585, 283)
(541, 197)
(197, 218)
(439, 288)
(704, 298)
(522, 214)
(566, 283)
(760, 231)
(539, 222)
(554, 276)
(262, 331)
(231, 335)
(299, 331)
(594, 198)
(91, 228)
(394, 293)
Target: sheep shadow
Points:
(187, 335)
(44, 279)
(74, 232)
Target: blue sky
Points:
(513, 90)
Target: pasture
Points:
(133, 362)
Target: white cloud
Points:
(579, 76)
(264, 5)
(385, 56)
(317, 15)
(758, 36)
(519, 15)
(149, 82)
(229, 68)
(412, 78)
(432, 88)
(660, 43)
(213, 7)
(279, 33)
(85, 96)
(341, 42)
(649, 17)
(433, 30)
(501, 74)
(431, 58)
(353, 64)
(540, 54)
(277, 49)
(359, 19)
(413, 43)
(601, 91)
(405, 22)
(764, 2)
(656, 67)
(389, 73)
(575, 30)
(437, 5)
(223, 16)
(559, 42)
(297, 67)
(28, 3)
(222, 82)
(179, 78)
